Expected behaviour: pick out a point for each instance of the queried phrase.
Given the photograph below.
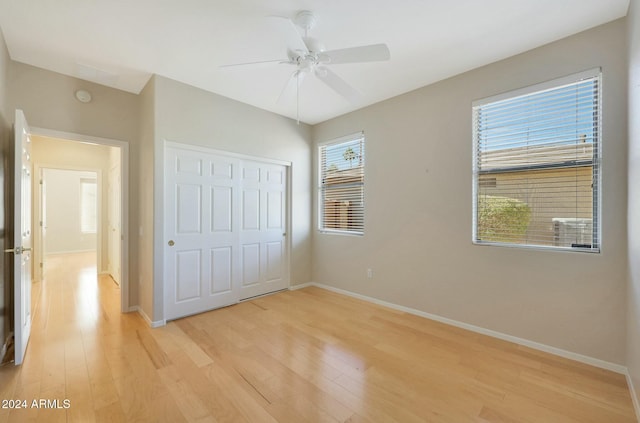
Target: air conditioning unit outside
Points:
(572, 232)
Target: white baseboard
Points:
(151, 323)
(617, 368)
(302, 285)
(634, 396)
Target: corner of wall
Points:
(143, 197)
(633, 204)
(5, 136)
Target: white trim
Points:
(319, 210)
(617, 368)
(152, 324)
(543, 86)
(547, 87)
(303, 285)
(124, 193)
(344, 138)
(634, 395)
(339, 232)
(207, 150)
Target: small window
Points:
(537, 166)
(88, 206)
(341, 190)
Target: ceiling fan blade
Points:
(287, 28)
(290, 90)
(259, 63)
(370, 53)
(338, 84)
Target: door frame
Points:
(38, 172)
(124, 198)
(160, 203)
(114, 271)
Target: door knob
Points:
(17, 250)
(171, 243)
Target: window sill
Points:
(539, 247)
(339, 232)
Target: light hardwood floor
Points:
(302, 356)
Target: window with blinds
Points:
(537, 165)
(88, 206)
(341, 190)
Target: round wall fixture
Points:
(83, 96)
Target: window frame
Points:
(320, 187)
(596, 165)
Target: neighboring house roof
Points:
(345, 176)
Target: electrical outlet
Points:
(369, 273)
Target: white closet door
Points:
(224, 230)
(199, 228)
(263, 250)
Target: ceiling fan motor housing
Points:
(305, 19)
(313, 44)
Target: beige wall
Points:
(419, 154)
(5, 136)
(192, 116)
(48, 101)
(64, 234)
(633, 293)
(144, 233)
(4, 82)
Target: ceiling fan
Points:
(309, 57)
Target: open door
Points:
(22, 237)
(114, 222)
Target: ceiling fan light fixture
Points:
(314, 44)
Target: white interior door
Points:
(114, 223)
(224, 230)
(263, 229)
(199, 226)
(22, 237)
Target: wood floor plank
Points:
(300, 356)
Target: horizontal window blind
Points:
(342, 185)
(537, 167)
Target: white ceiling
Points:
(120, 43)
